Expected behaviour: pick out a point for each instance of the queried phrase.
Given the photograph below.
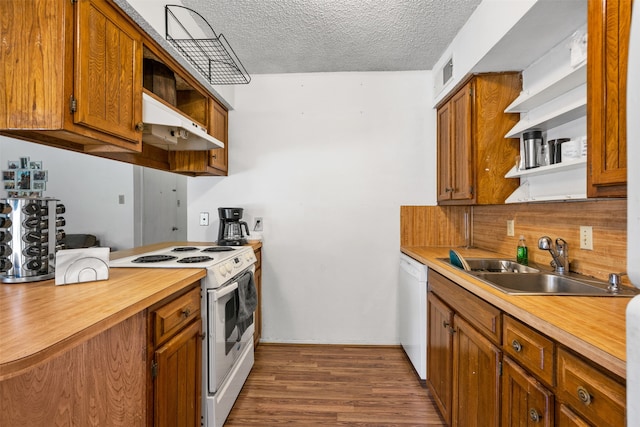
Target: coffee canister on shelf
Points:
(531, 141)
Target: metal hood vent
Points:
(166, 128)
(209, 53)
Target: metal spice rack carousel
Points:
(212, 56)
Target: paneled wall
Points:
(563, 219)
(439, 226)
(434, 225)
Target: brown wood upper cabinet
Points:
(71, 75)
(608, 25)
(473, 155)
(219, 122)
(211, 162)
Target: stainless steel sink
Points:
(507, 276)
(548, 284)
(496, 265)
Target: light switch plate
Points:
(511, 231)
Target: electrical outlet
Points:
(204, 218)
(586, 237)
(511, 231)
(257, 224)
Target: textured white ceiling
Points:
(301, 36)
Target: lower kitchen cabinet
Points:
(476, 377)
(568, 418)
(440, 351)
(486, 368)
(598, 398)
(176, 365)
(470, 395)
(525, 401)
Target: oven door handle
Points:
(226, 290)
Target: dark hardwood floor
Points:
(332, 385)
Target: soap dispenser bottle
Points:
(523, 253)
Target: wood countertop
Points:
(592, 326)
(39, 320)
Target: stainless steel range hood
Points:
(168, 129)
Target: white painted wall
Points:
(489, 23)
(153, 12)
(88, 186)
(327, 160)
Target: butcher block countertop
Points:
(592, 326)
(39, 320)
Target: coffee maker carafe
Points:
(230, 231)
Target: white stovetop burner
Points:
(221, 262)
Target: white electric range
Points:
(227, 352)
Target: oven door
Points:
(226, 338)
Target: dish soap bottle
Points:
(523, 253)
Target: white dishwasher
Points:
(412, 309)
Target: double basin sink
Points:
(512, 278)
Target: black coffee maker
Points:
(230, 231)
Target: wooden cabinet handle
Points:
(534, 415)
(445, 324)
(139, 127)
(584, 395)
(186, 312)
(515, 344)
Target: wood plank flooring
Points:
(333, 385)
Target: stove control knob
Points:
(229, 267)
(222, 270)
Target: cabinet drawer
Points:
(532, 350)
(173, 316)
(568, 418)
(590, 392)
(485, 318)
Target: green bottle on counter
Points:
(523, 253)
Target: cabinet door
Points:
(219, 124)
(444, 155)
(608, 29)
(177, 387)
(461, 144)
(476, 378)
(440, 353)
(525, 402)
(108, 79)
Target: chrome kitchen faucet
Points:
(560, 254)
